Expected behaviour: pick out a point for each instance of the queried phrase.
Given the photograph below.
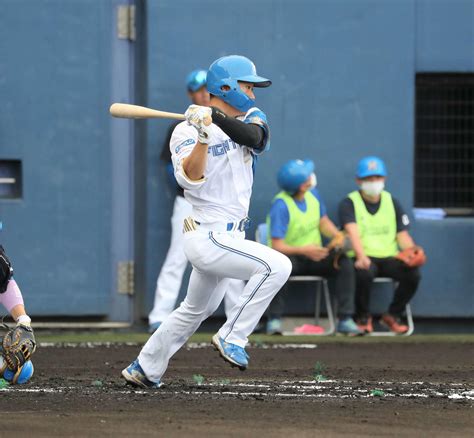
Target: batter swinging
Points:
(215, 166)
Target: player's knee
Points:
(210, 310)
(346, 267)
(364, 275)
(412, 276)
(281, 268)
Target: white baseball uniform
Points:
(171, 274)
(215, 244)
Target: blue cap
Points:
(230, 70)
(371, 166)
(196, 79)
(294, 173)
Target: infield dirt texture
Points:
(381, 388)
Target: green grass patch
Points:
(258, 339)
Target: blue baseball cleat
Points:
(235, 355)
(135, 375)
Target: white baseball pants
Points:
(170, 278)
(216, 257)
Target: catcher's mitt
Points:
(17, 346)
(412, 257)
(340, 244)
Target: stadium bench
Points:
(321, 289)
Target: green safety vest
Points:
(303, 227)
(378, 232)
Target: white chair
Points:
(261, 236)
(411, 325)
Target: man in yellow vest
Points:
(296, 220)
(378, 227)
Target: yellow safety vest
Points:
(378, 232)
(303, 226)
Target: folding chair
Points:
(411, 325)
(261, 236)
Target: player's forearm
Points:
(404, 240)
(280, 246)
(327, 227)
(242, 133)
(353, 233)
(194, 165)
(17, 311)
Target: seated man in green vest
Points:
(378, 227)
(296, 220)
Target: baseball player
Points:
(17, 346)
(171, 274)
(215, 163)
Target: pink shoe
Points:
(309, 329)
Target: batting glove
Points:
(200, 117)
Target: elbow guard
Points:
(245, 134)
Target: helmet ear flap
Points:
(234, 96)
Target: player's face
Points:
(200, 97)
(307, 185)
(247, 88)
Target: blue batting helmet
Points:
(229, 70)
(371, 166)
(24, 376)
(294, 173)
(196, 79)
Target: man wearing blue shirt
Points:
(296, 220)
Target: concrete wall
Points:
(343, 86)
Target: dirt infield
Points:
(331, 389)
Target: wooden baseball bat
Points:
(127, 111)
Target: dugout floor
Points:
(330, 389)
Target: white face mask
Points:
(313, 181)
(372, 188)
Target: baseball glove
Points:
(340, 244)
(17, 346)
(412, 257)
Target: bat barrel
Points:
(128, 111)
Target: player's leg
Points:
(408, 280)
(232, 295)
(267, 271)
(275, 311)
(343, 274)
(364, 279)
(171, 274)
(180, 324)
